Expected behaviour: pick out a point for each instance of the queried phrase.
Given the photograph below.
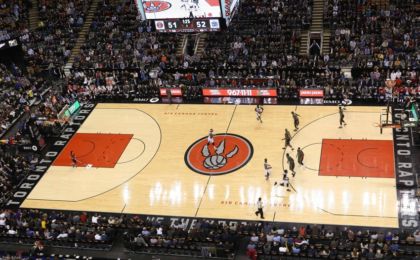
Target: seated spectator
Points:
(251, 252)
(98, 237)
(139, 240)
(329, 234)
(295, 249)
(254, 238)
(153, 241)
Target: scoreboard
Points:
(178, 9)
(187, 25)
(187, 15)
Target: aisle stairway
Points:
(303, 50)
(200, 44)
(317, 16)
(181, 45)
(326, 36)
(82, 36)
(317, 24)
(33, 15)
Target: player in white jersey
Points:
(259, 110)
(210, 138)
(285, 181)
(267, 169)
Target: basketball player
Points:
(285, 181)
(287, 138)
(210, 138)
(259, 111)
(300, 155)
(285, 174)
(73, 158)
(295, 120)
(291, 163)
(346, 101)
(341, 112)
(267, 168)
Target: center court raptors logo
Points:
(155, 6)
(230, 153)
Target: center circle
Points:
(229, 153)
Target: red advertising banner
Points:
(311, 93)
(223, 92)
(175, 92)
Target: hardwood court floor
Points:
(151, 176)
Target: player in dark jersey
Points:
(287, 139)
(341, 112)
(267, 168)
(285, 174)
(73, 158)
(295, 120)
(291, 163)
(300, 155)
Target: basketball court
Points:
(153, 159)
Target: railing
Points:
(196, 44)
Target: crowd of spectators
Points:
(22, 93)
(108, 85)
(48, 48)
(45, 49)
(205, 238)
(118, 40)
(13, 18)
(80, 230)
(16, 93)
(379, 43)
(262, 40)
(263, 35)
(122, 56)
(258, 50)
(13, 168)
(366, 35)
(267, 240)
(320, 242)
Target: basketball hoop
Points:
(384, 123)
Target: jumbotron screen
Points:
(174, 9)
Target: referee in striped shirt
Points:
(260, 208)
